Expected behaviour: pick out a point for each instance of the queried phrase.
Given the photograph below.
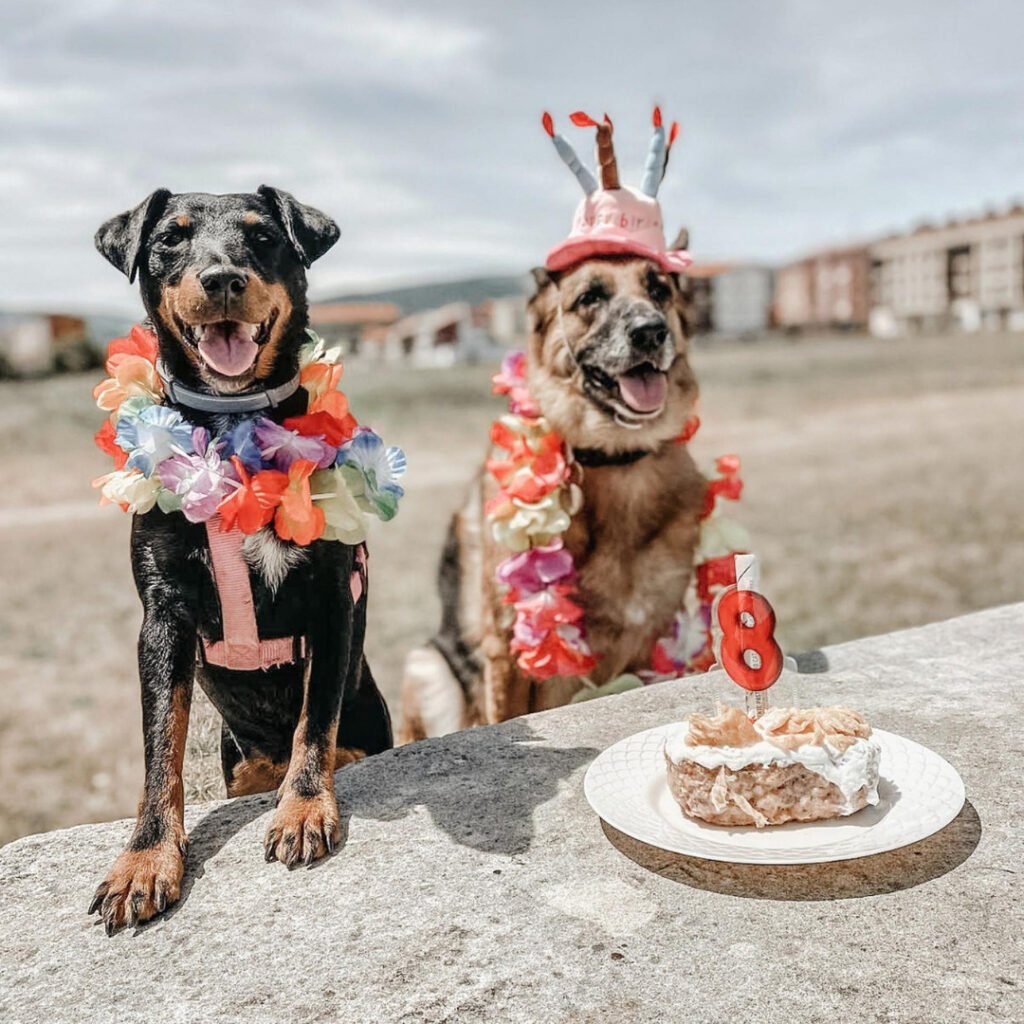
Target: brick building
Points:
(829, 290)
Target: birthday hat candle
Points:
(616, 220)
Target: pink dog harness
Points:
(242, 649)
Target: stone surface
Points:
(475, 884)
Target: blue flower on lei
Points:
(371, 471)
(153, 434)
(242, 442)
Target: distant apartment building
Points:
(505, 319)
(829, 290)
(965, 274)
(453, 333)
(741, 300)
(730, 299)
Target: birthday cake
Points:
(787, 765)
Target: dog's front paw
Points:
(303, 829)
(140, 885)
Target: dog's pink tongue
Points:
(643, 391)
(228, 348)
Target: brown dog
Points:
(607, 364)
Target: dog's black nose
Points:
(223, 282)
(649, 335)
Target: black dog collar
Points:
(592, 457)
(247, 401)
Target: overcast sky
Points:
(417, 126)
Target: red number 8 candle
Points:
(746, 646)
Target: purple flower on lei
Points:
(524, 633)
(282, 447)
(686, 641)
(201, 479)
(513, 369)
(536, 569)
(511, 380)
(155, 433)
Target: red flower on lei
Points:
(253, 505)
(533, 468)
(104, 438)
(139, 342)
(333, 430)
(556, 655)
(269, 495)
(298, 519)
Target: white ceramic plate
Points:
(919, 793)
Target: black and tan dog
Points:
(607, 364)
(223, 281)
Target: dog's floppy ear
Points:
(311, 232)
(121, 238)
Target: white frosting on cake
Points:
(849, 770)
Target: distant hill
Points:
(419, 297)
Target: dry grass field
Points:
(884, 489)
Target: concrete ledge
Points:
(475, 884)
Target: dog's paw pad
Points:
(303, 829)
(140, 885)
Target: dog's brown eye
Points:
(172, 236)
(657, 289)
(591, 297)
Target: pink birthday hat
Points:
(616, 220)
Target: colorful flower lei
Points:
(315, 476)
(528, 516)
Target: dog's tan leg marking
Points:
(146, 877)
(262, 775)
(304, 828)
(256, 775)
(306, 825)
(141, 884)
(347, 755)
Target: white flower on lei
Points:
(538, 523)
(720, 536)
(315, 351)
(129, 487)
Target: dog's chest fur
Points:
(633, 542)
(266, 554)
